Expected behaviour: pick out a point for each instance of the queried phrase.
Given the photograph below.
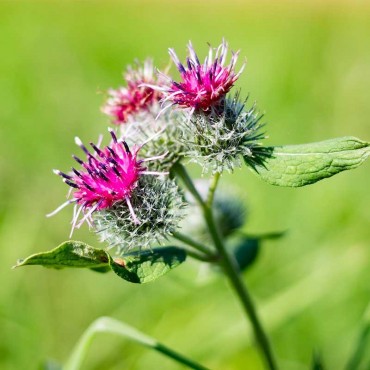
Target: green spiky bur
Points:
(160, 132)
(218, 141)
(157, 203)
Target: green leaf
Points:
(246, 248)
(145, 266)
(299, 165)
(112, 326)
(136, 267)
(246, 252)
(69, 254)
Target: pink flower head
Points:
(124, 102)
(203, 85)
(108, 176)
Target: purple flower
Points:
(202, 86)
(108, 176)
(125, 102)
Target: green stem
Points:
(229, 265)
(189, 241)
(181, 172)
(232, 271)
(212, 189)
(109, 325)
(198, 256)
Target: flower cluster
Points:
(121, 190)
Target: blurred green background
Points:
(308, 69)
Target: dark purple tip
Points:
(101, 174)
(126, 147)
(181, 68)
(76, 172)
(177, 85)
(100, 153)
(64, 175)
(114, 137)
(111, 151)
(113, 161)
(88, 186)
(78, 160)
(83, 147)
(114, 168)
(72, 184)
(103, 166)
(190, 64)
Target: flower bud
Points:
(219, 140)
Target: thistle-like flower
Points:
(108, 176)
(125, 102)
(202, 86)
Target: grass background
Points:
(309, 70)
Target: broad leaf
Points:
(69, 254)
(145, 266)
(136, 267)
(299, 165)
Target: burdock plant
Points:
(136, 194)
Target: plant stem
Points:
(109, 325)
(198, 256)
(232, 271)
(181, 172)
(212, 189)
(229, 264)
(189, 241)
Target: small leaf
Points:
(69, 254)
(246, 251)
(265, 236)
(299, 165)
(246, 247)
(145, 266)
